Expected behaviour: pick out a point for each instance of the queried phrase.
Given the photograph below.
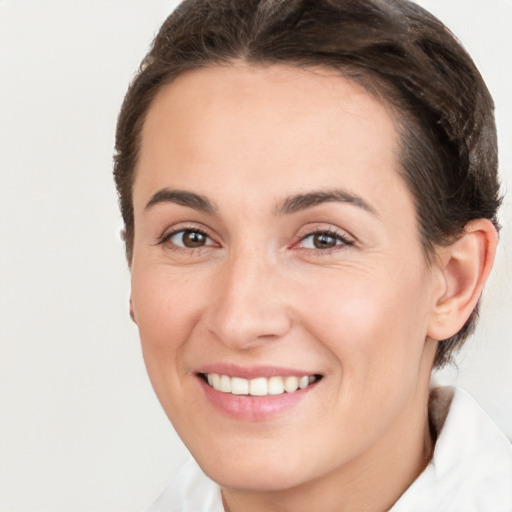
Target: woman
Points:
(310, 191)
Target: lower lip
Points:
(253, 408)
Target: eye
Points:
(324, 240)
(188, 238)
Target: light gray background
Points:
(80, 429)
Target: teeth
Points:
(275, 386)
(291, 384)
(238, 386)
(304, 382)
(259, 386)
(225, 384)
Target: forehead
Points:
(267, 130)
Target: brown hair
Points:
(394, 48)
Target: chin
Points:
(255, 480)
(245, 471)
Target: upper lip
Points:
(252, 372)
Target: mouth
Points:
(259, 386)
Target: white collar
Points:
(470, 471)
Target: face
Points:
(278, 281)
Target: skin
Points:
(363, 314)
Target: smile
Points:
(259, 386)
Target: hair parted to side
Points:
(395, 49)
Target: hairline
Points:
(371, 82)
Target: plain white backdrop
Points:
(80, 428)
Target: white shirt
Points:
(470, 471)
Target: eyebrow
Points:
(183, 198)
(301, 202)
(292, 204)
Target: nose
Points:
(249, 305)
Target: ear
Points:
(465, 266)
(132, 315)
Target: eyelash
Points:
(345, 242)
(168, 236)
(332, 233)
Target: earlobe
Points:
(132, 315)
(465, 267)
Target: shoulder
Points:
(191, 491)
(471, 468)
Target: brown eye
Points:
(324, 240)
(189, 238)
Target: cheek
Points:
(373, 323)
(375, 332)
(162, 304)
(166, 309)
